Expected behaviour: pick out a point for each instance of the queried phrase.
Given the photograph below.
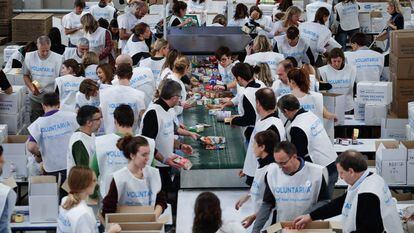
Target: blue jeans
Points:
(341, 36)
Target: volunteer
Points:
(247, 102)
(158, 124)
(181, 68)
(134, 12)
(136, 46)
(261, 72)
(82, 142)
(347, 16)
(315, 33)
(367, 206)
(369, 64)
(50, 134)
(17, 58)
(56, 41)
(78, 52)
(108, 158)
(198, 6)
(137, 184)
(168, 66)
(293, 45)
(111, 97)
(310, 138)
(291, 19)
(105, 73)
(142, 78)
(263, 145)
(293, 186)
(68, 84)
(281, 85)
(396, 22)
(71, 23)
(225, 64)
(88, 94)
(261, 52)
(240, 17)
(5, 84)
(262, 24)
(100, 41)
(341, 76)
(103, 11)
(7, 200)
(312, 9)
(219, 21)
(159, 51)
(283, 6)
(90, 62)
(74, 214)
(208, 216)
(268, 120)
(179, 11)
(42, 67)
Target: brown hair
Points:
(220, 19)
(207, 213)
(90, 58)
(287, 65)
(77, 68)
(301, 78)
(268, 139)
(169, 60)
(261, 44)
(335, 53)
(108, 71)
(241, 11)
(256, 8)
(88, 87)
(287, 19)
(130, 145)
(124, 71)
(181, 64)
(140, 28)
(89, 23)
(80, 178)
(320, 14)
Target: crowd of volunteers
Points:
(107, 114)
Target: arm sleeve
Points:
(175, 23)
(108, 46)
(265, 209)
(80, 154)
(368, 215)
(161, 200)
(94, 165)
(274, 129)
(110, 202)
(323, 192)
(300, 140)
(310, 56)
(4, 83)
(399, 22)
(329, 210)
(249, 117)
(275, 48)
(150, 125)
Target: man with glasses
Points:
(82, 142)
(292, 185)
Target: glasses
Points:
(283, 163)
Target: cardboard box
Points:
(399, 108)
(15, 77)
(390, 151)
(14, 122)
(374, 92)
(402, 68)
(3, 132)
(394, 128)
(43, 199)
(313, 227)
(365, 21)
(409, 145)
(335, 103)
(374, 113)
(40, 24)
(359, 110)
(11, 104)
(9, 50)
(391, 162)
(15, 154)
(402, 43)
(402, 89)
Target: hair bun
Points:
(123, 142)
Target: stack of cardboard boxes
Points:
(12, 108)
(40, 24)
(402, 70)
(6, 9)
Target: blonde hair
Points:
(261, 44)
(158, 45)
(396, 4)
(287, 18)
(262, 72)
(80, 178)
(90, 58)
(181, 64)
(89, 23)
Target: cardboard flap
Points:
(16, 139)
(129, 218)
(164, 219)
(135, 209)
(10, 182)
(408, 144)
(387, 144)
(141, 226)
(316, 226)
(330, 94)
(274, 228)
(376, 14)
(42, 179)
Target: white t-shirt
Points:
(196, 6)
(44, 71)
(126, 21)
(106, 12)
(313, 7)
(316, 36)
(369, 64)
(231, 227)
(179, 109)
(280, 89)
(72, 53)
(80, 218)
(114, 96)
(165, 73)
(71, 21)
(90, 72)
(131, 48)
(276, 26)
(342, 82)
(298, 51)
(97, 41)
(82, 101)
(155, 64)
(68, 86)
(348, 15)
(271, 58)
(237, 23)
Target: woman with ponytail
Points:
(262, 73)
(74, 213)
(159, 51)
(207, 216)
(137, 184)
(68, 84)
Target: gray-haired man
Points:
(77, 52)
(41, 68)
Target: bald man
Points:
(123, 58)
